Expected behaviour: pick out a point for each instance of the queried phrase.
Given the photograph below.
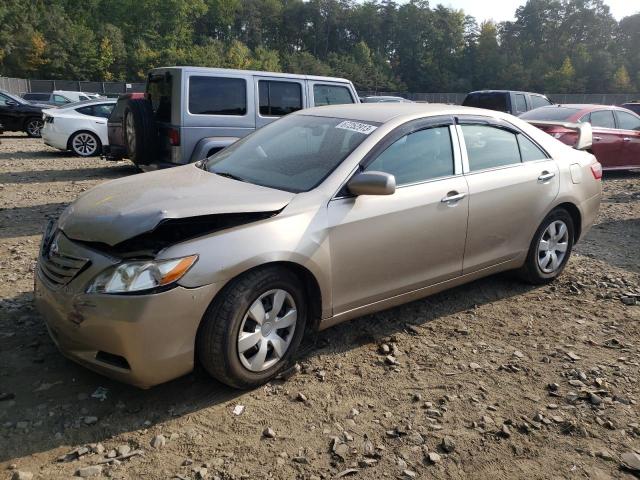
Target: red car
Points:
(616, 131)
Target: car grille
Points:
(58, 267)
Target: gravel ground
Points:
(493, 379)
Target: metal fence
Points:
(21, 85)
(458, 98)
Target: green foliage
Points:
(381, 45)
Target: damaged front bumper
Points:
(143, 339)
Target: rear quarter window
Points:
(217, 96)
(331, 95)
(490, 101)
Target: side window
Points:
(529, 151)
(279, 98)
(217, 96)
(603, 119)
(331, 95)
(86, 110)
(538, 101)
(60, 100)
(419, 156)
(103, 110)
(521, 103)
(490, 147)
(626, 121)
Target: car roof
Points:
(384, 112)
(209, 70)
(85, 103)
(507, 91)
(588, 107)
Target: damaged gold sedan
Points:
(325, 215)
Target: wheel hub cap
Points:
(553, 245)
(267, 330)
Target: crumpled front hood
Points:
(121, 209)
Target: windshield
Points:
(14, 97)
(295, 153)
(550, 113)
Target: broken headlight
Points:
(135, 276)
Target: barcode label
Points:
(356, 127)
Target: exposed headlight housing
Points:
(137, 276)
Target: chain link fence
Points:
(21, 85)
(458, 98)
(113, 89)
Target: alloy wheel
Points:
(84, 144)
(34, 127)
(553, 246)
(267, 330)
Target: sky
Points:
(501, 10)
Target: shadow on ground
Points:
(27, 352)
(68, 175)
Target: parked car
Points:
(57, 97)
(633, 106)
(190, 113)
(80, 127)
(322, 216)
(18, 115)
(384, 99)
(616, 131)
(513, 102)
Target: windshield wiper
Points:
(230, 175)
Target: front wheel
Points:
(252, 330)
(33, 127)
(550, 248)
(85, 144)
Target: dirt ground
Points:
(495, 379)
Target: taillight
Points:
(174, 137)
(596, 170)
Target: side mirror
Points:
(372, 183)
(11, 103)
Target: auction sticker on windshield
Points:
(356, 127)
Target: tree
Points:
(562, 79)
(622, 80)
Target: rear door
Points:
(607, 141)
(629, 124)
(322, 93)
(276, 97)
(512, 182)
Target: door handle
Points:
(626, 139)
(546, 176)
(597, 139)
(453, 197)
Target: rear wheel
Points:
(550, 248)
(252, 330)
(33, 127)
(85, 144)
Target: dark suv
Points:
(633, 106)
(18, 115)
(515, 103)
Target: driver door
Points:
(8, 117)
(383, 246)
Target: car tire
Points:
(230, 343)
(85, 144)
(33, 127)
(550, 248)
(139, 131)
